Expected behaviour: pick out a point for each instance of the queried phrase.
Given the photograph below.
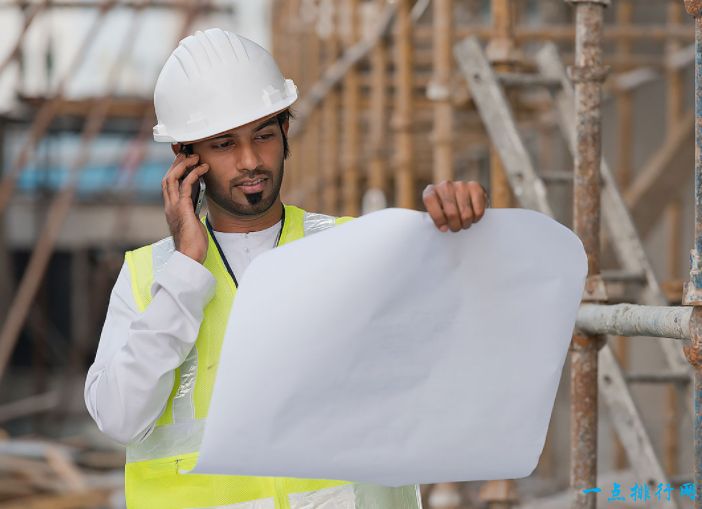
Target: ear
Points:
(285, 126)
(177, 148)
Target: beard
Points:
(257, 203)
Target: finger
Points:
(463, 198)
(176, 172)
(180, 166)
(447, 195)
(170, 190)
(433, 206)
(186, 186)
(478, 200)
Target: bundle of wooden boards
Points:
(42, 474)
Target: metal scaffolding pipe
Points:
(587, 75)
(693, 289)
(634, 320)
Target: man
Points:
(222, 99)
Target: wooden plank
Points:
(90, 499)
(662, 178)
(630, 429)
(497, 117)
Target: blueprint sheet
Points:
(385, 351)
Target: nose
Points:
(248, 157)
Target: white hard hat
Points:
(215, 81)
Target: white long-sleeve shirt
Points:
(128, 385)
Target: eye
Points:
(264, 136)
(223, 144)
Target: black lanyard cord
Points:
(221, 253)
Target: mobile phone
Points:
(198, 192)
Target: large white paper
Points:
(388, 352)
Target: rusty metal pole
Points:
(587, 75)
(693, 288)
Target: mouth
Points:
(252, 186)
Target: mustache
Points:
(251, 174)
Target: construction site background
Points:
(386, 107)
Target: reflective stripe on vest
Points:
(154, 466)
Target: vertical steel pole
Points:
(693, 289)
(587, 75)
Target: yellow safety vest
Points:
(154, 473)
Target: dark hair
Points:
(285, 116)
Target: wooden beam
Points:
(663, 176)
(404, 172)
(87, 500)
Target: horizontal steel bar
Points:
(635, 320)
(658, 378)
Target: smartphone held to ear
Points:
(198, 191)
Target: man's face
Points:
(246, 167)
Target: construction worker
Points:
(223, 104)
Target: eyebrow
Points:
(269, 122)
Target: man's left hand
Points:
(455, 205)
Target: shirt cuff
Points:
(182, 275)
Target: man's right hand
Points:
(189, 234)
